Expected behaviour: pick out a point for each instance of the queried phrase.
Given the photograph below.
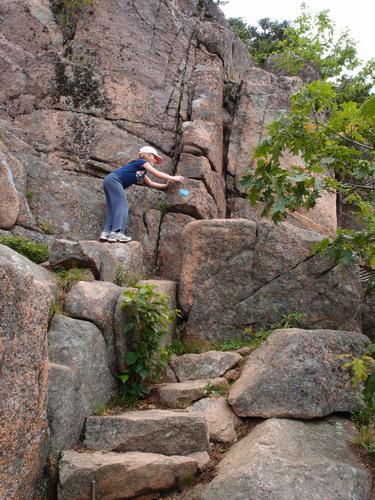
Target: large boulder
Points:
(199, 168)
(232, 277)
(25, 300)
(171, 245)
(290, 460)
(104, 259)
(79, 378)
(216, 270)
(297, 373)
(95, 302)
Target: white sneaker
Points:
(118, 237)
(104, 236)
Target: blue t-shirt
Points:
(131, 173)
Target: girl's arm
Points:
(162, 175)
(149, 183)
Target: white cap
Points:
(151, 150)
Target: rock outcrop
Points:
(80, 93)
(236, 273)
(297, 373)
(79, 383)
(289, 460)
(25, 302)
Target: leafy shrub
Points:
(36, 252)
(363, 370)
(149, 315)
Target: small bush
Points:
(148, 314)
(68, 277)
(124, 278)
(36, 252)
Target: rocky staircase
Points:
(134, 453)
(147, 451)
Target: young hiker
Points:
(135, 172)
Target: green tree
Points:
(336, 145)
(260, 41)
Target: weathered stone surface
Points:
(220, 40)
(95, 301)
(199, 168)
(147, 207)
(156, 431)
(210, 364)
(25, 301)
(104, 259)
(331, 297)
(198, 203)
(120, 475)
(170, 245)
(26, 266)
(279, 249)
(216, 269)
(218, 253)
(290, 460)
(180, 395)
(221, 420)
(79, 378)
(9, 199)
(207, 88)
(296, 373)
(203, 459)
(232, 375)
(204, 137)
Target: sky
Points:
(358, 16)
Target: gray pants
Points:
(117, 204)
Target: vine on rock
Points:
(148, 316)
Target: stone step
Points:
(110, 475)
(155, 431)
(182, 394)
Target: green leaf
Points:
(128, 327)
(367, 109)
(124, 377)
(131, 358)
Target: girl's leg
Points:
(119, 207)
(109, 216)
(125, 214)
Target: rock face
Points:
(289, 460)
(79, 378)
(120, 475)
(25, 301)
(296, 373)
(233, 275)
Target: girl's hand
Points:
(178, 178)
